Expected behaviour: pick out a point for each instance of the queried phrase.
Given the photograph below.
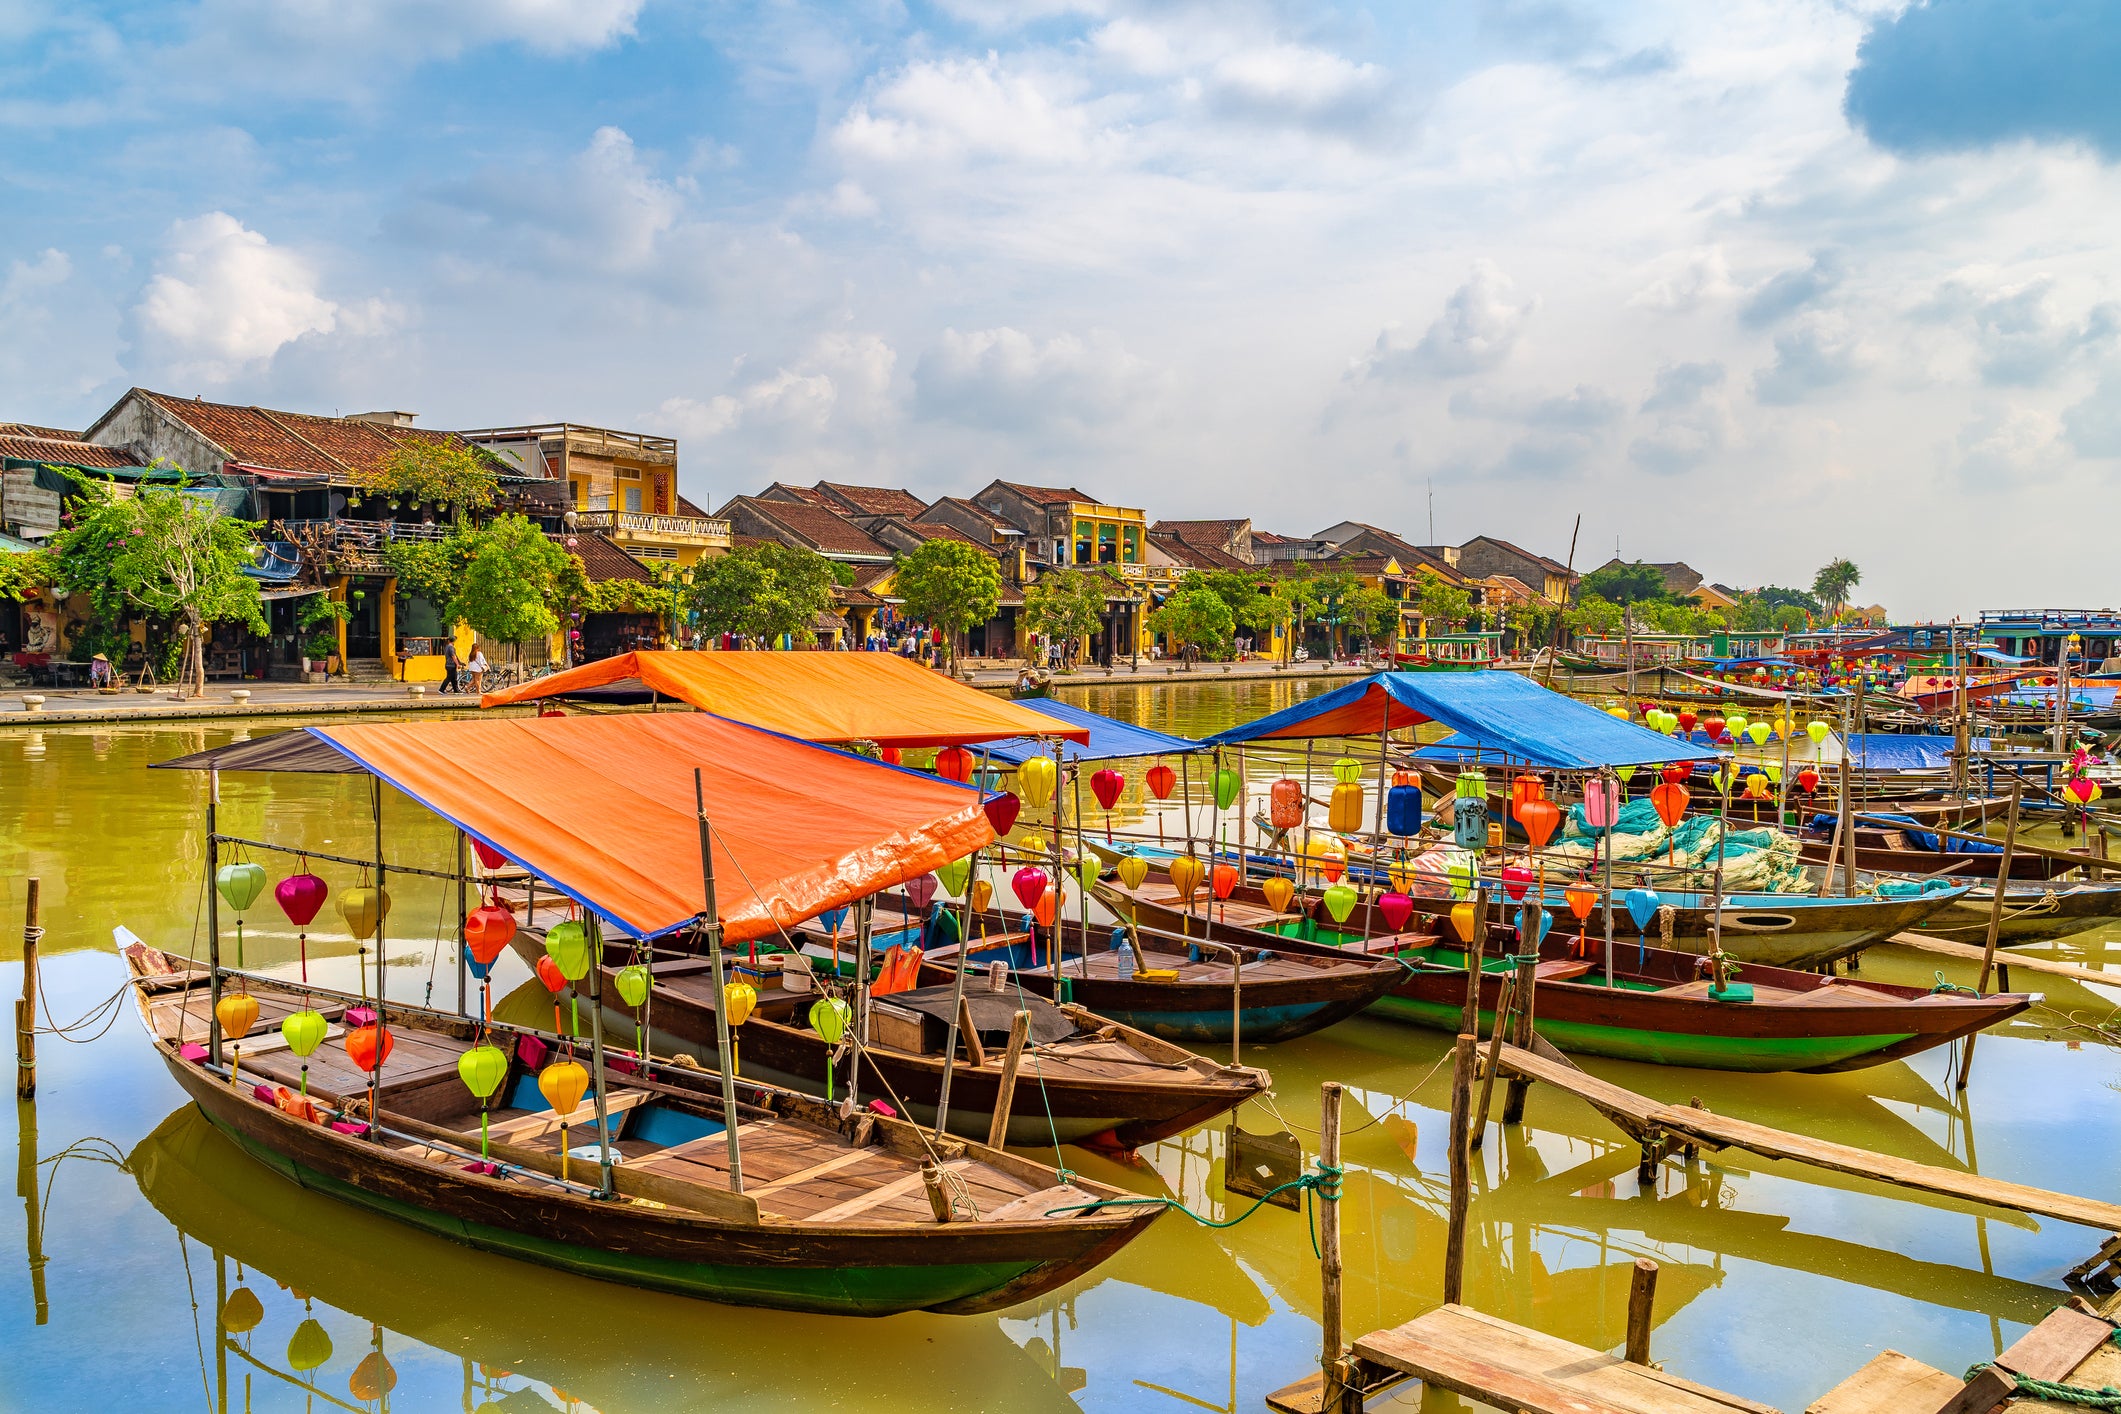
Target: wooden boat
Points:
(2034, 912)
(1773, 930)
(1278, 995)
(1656, 1007)
(834, 1215)
(1889, 849)
(1084, 1080)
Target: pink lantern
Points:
(1106, 786)
(921, 889)
(1028, 885)
(300, 896)
(1601, 802)
(1515, 880)
(1002, 811)
(1397, 908)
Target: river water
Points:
(1776, 1281)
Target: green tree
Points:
(23, 572)
(1195, 617)
(1066, 605)
(1444, 603)
(949, 585)
(1625, 584)
(763, 591)
(165, 555)
(1595, 614)
(1372, 613)
(432, 569)
(449, 473)
(512, 584)
(1833, 583)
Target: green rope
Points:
(2105, 1397)
(1944, 986)
(1519, 959)
(1323, 1180)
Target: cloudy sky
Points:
(1748, 284)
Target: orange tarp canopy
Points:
(875, 697)
(603, 808)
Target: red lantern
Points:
(1397, 908)
(549, 973)
(1645, 708)
(368, 1046)
(1106, 786)
(1515, 880)
(1029, 885)
(1333, 866)
(1002, 810)
(1687, 720)
(1223, 880)
(1676, 774)
(1285, 803)
(1539, 818)
(1671, 802)
(954, 763)
(487, 930)
(1713, 726)
(489, 857)
(1807, 780)
(1161, 780)
(889, 755)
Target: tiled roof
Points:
(936, 530)
(970, 507)
(31, 429)
(1199, 556)
(601, 557)
(1268, 537)
(1550, 566)
(875, 500)
(823, 527)
(1214, 532)
(782, 491)
(687, 508)
(1049, 495)
(292, 441)
(62, 451)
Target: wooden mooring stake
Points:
(1454, 1251)
(1642, 1298)
(1005, 1094)
(26, 1005)
(1332, 1351)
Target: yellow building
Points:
(622, 484)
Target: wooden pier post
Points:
(1454, 1251)
(1005, 1094)
(1521, 1036)
(26, 1006)
(1479, 1130)
(1470, 1023)
(1642, 1298)
(1332, 1359)
(1995, 922)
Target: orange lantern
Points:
(1525, 789)
(1540, 819)
(1671, 803)
(1285, 803)
(954, 763)
(1161, 780)
(1224, 880)
(368, 1046)
(1278, 891)
(1047, 908)
(1186, 873)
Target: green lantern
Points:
(1227, 785)
(1089, 869)
(829, 1017)
(240, 884)
(304, 1031)
(567, 944)
(309, 1347)
(632, 982)
(1472, 785)
(1347, 770)
(1340, 902)
(954, 876)
(482, 1069)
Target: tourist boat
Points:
(834, 1216)
(1171, 988)
(1657, 1006)
(1450, 653)
(1083, 1079)
(1774, 930)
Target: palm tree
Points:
(1833, 583)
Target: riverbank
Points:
(63, 706)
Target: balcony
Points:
(644, 525)
(355, 546)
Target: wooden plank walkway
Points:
(1643, 1117)
(1967, 952)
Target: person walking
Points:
(477, 667)
(450, 666)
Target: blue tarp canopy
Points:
(1909, 751)
(1507, 716)
(1997, 655)
(1109, 738)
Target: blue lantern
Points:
(1403, 809)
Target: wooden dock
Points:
(1967, 952)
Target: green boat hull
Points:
(830, 1291)
(1704, 1052)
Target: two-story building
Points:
(1486, 555)
(620, 484)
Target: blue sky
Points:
(1750, 284)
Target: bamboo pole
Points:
(711, 924)
(1332, 1351)
(1470, 1022)
(596, 1052)
(1005, 1093)
(1527, 984)
(1995, 926)
(1642, 1299)
(375, 1077)
(28, 1190)
(961, 1013)
(462, 985)
(864, 950)
(1479, 1130)
(26, 1005)
(1454, 1251)
(1845, 825)
(213, 922)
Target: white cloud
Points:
(954, 109)
(223, 297)
(841, 382)
(1481, 323)
(2012, 448)
(1005, 379)
(1294, 83)
(1684, 281)
(1819, 357)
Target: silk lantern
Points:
(242, 1312)
(633, 982)
(1340, 902)
(1759, 732)
(309, 1347)
(1002, 811)
(1035, 780)
(1285, 803)
(1047, 908)
(954, 876)
(1347, 770)
(1687, 720)
(1403, 805)
(920, 891)
(1524, 790)
(1671, 803)
(239, 884)
(1464, 917)
(1106, 785)
(368, 1046)
(1186, 874)
(1620, 712)
(1133, 869)
(1642, 906)
(1714, 727)
(1278, 891)
(1582, 898)
(482, 1069)
(1088, 870)
(567, 944)
(1515, 880)
(1539, 819)
(1817, 731)
(562, 1084)
(743, 999)
(1601, 802)
(1396, 908)
(1027, 884)
(1737, 724)
(954, 763)
(829, 1017)
(487, 930)
(489, 857)
(1223, 880)
(1344, 809)
(1227, 785)
(237, 1012)
(1033, 844)
(364, 907)
(304, 1031)
(373, 1378)
(1161, 780)
(300, 896)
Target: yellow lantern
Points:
(237, 1013)
(1325, 854)
(1403, 875)
(242, 1311)
(1278, 892)
(1344, 809)
(1463, 917)
(743, 1000)
(1033, 844)
(563, 1084)
(364, 907)
(982, 895)
(1186, 874)
(1132, 870)
(1034, 781)
(308, 1347)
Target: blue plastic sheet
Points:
(1109, 738)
